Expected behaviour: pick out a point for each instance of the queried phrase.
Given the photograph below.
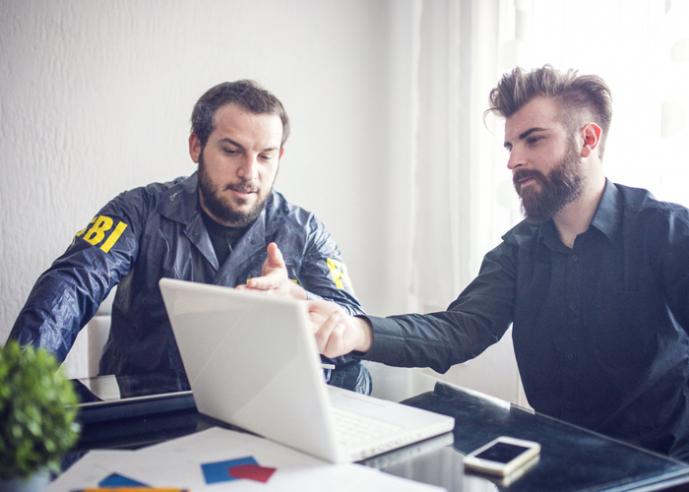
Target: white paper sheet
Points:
(90, 470)
(177, 463)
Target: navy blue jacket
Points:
(157, 231)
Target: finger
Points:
(317, 319)
(322, 307)
(246, 288)
(274, 258)
(335, 345)
(325, 330)
(271, 280)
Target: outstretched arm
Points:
(68, 294)
(475, 320)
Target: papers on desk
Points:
(219, 459)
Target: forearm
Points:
(437, 340)
(53, 314)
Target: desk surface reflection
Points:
(571, 459)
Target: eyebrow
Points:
(525, 135)
(227, 140)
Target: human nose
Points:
(515, 160)
(249, 167)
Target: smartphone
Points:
(502, 456)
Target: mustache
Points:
(523, 174)
(243, 187)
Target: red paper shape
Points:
(252, 472)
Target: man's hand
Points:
(337, 333)
(274, 278)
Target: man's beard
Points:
(213, 200)
(562, 186)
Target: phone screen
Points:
(502, 452)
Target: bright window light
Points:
(641, 49)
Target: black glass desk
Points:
(572, 459)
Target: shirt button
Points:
(570, 356)
(572, 306)
(575, 258)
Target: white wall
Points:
(95, 98)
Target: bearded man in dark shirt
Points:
(595, 280)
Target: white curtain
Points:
(454, 193)
(457, 195)
(450, 194)
(450, 191)
(641, 48)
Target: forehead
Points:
(540, 112)
(241, 125)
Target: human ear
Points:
(194, 147)
(591, 134)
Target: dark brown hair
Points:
(574, 92)
(247, 94)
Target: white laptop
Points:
(251, 360)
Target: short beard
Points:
(212, 199)
(562, 186)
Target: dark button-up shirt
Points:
(599, 330)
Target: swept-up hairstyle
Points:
(574, 93)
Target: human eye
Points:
(230, 151)
(265, 156)
(534, 139)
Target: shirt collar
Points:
(607, 218)
(548, 235)
(181, 202)
(178, 203)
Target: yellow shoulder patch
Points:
(98, 232)
(338, 273)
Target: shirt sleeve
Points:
(674, 262)
(324, 275)
(475, 320)
(323, 271)
(68, 294)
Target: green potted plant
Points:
(37, 411)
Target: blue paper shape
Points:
(117, 480)
(219, 471)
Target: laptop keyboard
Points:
(354, 430)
